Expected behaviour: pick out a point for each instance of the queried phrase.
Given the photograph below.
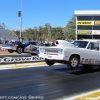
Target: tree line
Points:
(41, 33)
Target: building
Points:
(87, 24)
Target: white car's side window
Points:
(93, 46)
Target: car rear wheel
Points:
(20, 50)
(73, 62)
(49, 62)
(10, 51)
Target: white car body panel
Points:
(9, 47)
(30, 48)
(6, 48)
(87, 56)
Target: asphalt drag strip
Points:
(58, 68)
(57, 81)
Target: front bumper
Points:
(6, 48)
(53, 57)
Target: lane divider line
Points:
(92, 95)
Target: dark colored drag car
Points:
(22, 47)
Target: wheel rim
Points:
(20, 50)
(74, 62)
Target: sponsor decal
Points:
(82, 58)
(87, 61)
(82, 61)
(84, 32)
(30, 47)
(84, 22)
(20, 59)
(96, 32)
(98, 61)
(90, 61)
(96, 22)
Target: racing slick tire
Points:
(20, 50)
(49, 62)
(10, 51)
(73, 62)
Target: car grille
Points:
(51, 50)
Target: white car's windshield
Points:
(64, 44)
(80, 44)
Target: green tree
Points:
(69, 30)
(17, 32)
(57, 33)
(41, 33)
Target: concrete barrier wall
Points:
(20, 59)
(17, 58)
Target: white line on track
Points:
(91, 95)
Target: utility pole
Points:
(20, 15)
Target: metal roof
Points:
(87, 12)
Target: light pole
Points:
(20, 15)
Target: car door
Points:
(92, 54)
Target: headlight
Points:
(61, 51)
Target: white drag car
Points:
(85, 52)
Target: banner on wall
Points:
(20, 59)
(96, 32)
(96, 22)
(84, 22)
(84, 32)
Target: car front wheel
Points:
(10, 51)
(49, 62)
(73, 62)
